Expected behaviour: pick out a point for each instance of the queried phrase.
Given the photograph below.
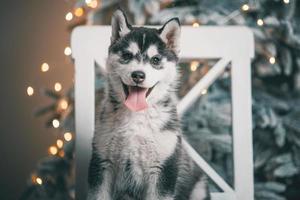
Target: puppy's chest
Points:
(148, 148)
(139, 142)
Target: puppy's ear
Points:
(170, 34)
(120, 26)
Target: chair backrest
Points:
(228, 44)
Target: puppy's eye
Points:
(155, 60)
(127, 56)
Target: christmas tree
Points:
(207, 125)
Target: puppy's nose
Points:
(138, 76)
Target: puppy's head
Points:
(142, 61)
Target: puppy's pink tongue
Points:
(136, 99)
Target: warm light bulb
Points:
(39, 181)
(53, 150)
(194, 65)
(93, 4)
(44, 67)
(69, 16)
(88, 1)
(61, 153)
(196, 24)
(30, 91)
(245, 7)
(59, 143)
(57, 87)
(55, 123)
(78, 12)
(286, 1)
(63, 104)
(260, 22)
(272, 60)
(33, 178)
(68, 136)
(68, 51)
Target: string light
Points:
(63, 104)
(196, 24)
(39, 180)
(286, 1)
(53, 150)
(68, 51)
(30, 91)
(68, 136)
(57, 87)
(55, 123)
(69, 16)
(59, 143)
(61, 153)
(260, 22)
(33, 178)
(245, 7)
(194, 65)
(272, 60)
(44, 67)
(78, 12)
(92, 3)
(204, 92)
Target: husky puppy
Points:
(137, 146)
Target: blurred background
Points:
(37, 115)
(32, 33)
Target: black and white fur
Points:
(139, 155)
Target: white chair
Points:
(228, 44)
